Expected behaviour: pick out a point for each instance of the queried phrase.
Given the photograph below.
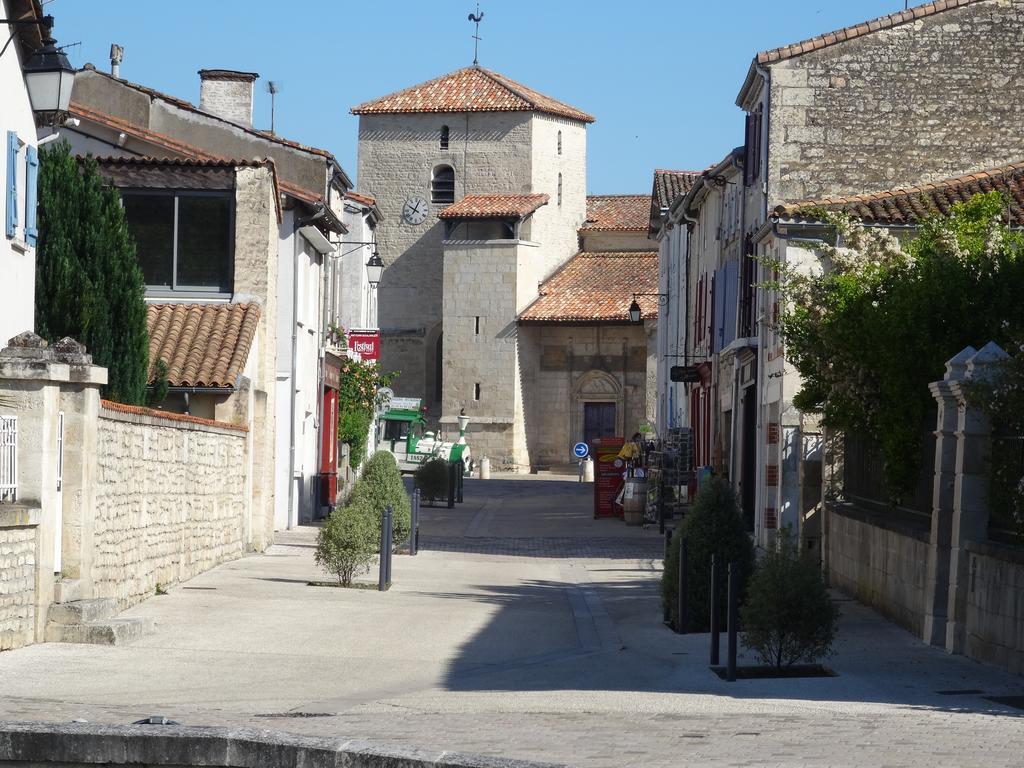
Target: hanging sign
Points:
(366, 344)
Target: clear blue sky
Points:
(660, 76)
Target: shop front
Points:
(328, 476)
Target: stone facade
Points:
(925, 100)
(490, 152)
(170, 502)
(579, 364)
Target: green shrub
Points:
(713, 526)
(788, 616)
(381, 486)
(354, 429)
(348, 542)
(432, 479)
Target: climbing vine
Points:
(872, 322)
(357, 403)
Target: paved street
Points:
(525, 629)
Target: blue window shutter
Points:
(12, 184)
(31, 175)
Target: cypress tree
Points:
(88, 282)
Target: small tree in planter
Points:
(347, 543)
(432, 479)
(788, 616)
(713, 527)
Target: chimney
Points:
(116, 56)
(227, 94)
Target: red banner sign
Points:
(608, 469)
(366, 344)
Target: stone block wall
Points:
(995, 605)
(879, 561)
(17, 576)
(171, 500)
(925, 100)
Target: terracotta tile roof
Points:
(203, 345)
(912, 204)
(183, 162)
(110, 405)
(494, 207)
(668, 185)
(358, 197)
(472, 89)
(617, 213)
(859, 30)
(597, 288)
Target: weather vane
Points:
(476, 18)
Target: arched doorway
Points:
(597, 407)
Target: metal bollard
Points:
(390, 524)
(668, 548)
(734, 587)
(715, 630)
(451, 485)
(414, 523)
(382, 569)
(461, 474)
(684, 564)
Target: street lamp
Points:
(49, 75)
(635, 316)
(374, 269)
(634, 312)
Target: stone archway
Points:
(595, 387)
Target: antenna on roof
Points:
(476, 18)
(273, 88)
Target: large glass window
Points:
(183, 239)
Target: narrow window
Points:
(477, 325)
(442, 185)
(559, 189)
(476, 391)
(559, 142)
(445, 133)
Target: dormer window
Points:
(559, 142)
(445, 134)
(442, 185)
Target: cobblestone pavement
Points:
(526, 629)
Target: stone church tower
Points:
(482, 183)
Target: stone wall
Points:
(925, 100)
(995, 605)
(879, 560)
(171, 500)
(17, 575)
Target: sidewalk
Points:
(524, 629)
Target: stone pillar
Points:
(970, 491)
(42, 381)
(937, 579)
